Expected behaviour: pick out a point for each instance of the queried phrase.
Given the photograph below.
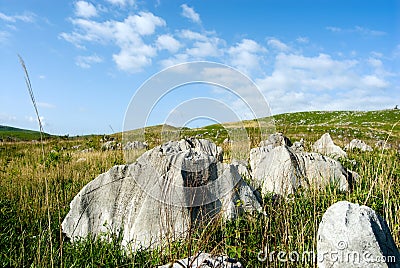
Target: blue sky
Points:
(86, 59)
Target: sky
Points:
(87, 59)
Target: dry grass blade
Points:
(30, 90)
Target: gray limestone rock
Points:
(275, 140)
(326, 147)
(358, 144)
(282, 171)
(351, 235)
(167, 190)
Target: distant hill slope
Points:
(17, 134)
(343, 126)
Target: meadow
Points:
(35, 193)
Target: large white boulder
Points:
(167, 190)
(351, 235)
(326, 146)
(282, 171)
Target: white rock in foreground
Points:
(326, 147)
(151, 198)
(351, 235)
(204, 260)
(282, 171)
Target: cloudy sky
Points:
(86, 59)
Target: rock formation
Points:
(167, 190)
(282, 171)
(358, 144)
(326, 147)
(351, 235)
(275, 140)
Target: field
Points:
(35, 193)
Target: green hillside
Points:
(343, 126)
(17, 134)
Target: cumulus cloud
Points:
(121, 2)
(246, 55)
(87, 61)
(168, 42)
(188, 12)
(85, 9)
(300, 83)
(126, 34)
(276, 44)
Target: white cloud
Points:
(85, 9)
(303, 40)
(26, 17)
(168, 42)
(126, 34)
(275, 43)
(34, 119)
(300, 83)
(121, 2)
(7, 118)
(86, 61)
(356, 29)
(188, 12)
(246, 55)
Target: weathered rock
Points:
(204, 260)
(282, 171)
(275, 140)
(109, 145)
(326, 147)
(135, 145)
(162, 194)
(358, 144)
(383, 145)
(298, 146)
(351, 235)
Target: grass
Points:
(291, 224)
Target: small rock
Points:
(358, 144)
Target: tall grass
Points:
(289, 224)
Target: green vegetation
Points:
(17, 134)
(289, 224)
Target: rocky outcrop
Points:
(282, 171)
(204, 260)
(383, 145)
(326, 147)
(351, 235)
(298, 146)
(358, 144)
(275, 140)
(135, 145)
(168, 189)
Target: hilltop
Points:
(17, 134)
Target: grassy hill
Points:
(343, 126)
(36, 191)
(17, 134)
